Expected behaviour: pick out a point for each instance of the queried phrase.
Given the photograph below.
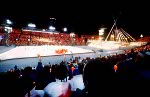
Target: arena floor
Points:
(23, 56)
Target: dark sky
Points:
(87, 19)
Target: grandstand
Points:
(24, 46)
(20, 37)
(33, 59)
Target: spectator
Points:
(98, 79)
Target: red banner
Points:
(61, 51)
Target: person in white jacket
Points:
(77, 80)
(60, 88)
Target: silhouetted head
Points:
(80, 68)
(97, 75)
(46, 68)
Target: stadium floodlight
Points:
(8, 29)
(65, 29)
(141, 35)
(31, 25)
(52, 28)
(101, 31)
(8, 22)
(72, 34)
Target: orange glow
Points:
(38, 55)
(115, 67)
(50, 70)
(72, 68)
(61, 51)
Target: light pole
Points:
(28, 41)
(16, 41)
(7, 28)
(101, 36)
(52, 28)
(141, 35)
(31, 26)
(101, 33)
(72, 35)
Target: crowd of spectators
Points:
(52, 79)
(125, 74)
(19, 37)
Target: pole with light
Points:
(141, 35)
(65, 29)
(101, 32)
(72, 35)
(7, 27)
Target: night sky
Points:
(87, 19)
